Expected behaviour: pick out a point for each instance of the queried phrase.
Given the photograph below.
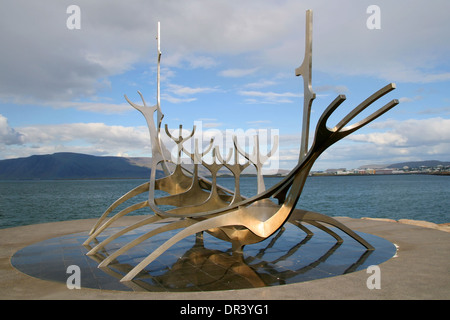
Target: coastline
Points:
(420, 223)
(445, 173)
(417, 267)
(280, 175)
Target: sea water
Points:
(418, 197)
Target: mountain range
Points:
(418, 164)
(66, 165)
(409, 164)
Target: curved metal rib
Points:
(130, 194)
(310, 216)
(377, 95)
(135, 242)
(117, 216)
(190, 230)
(146, 221)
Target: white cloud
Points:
(201, 62)
(394, 141)
(44, 63)
(185, 90)
(409, 99)
(91, 138)
(97, 107)
(409, 133)
(173, 99)
(47, 61)
(212, 124)
(237, 73)
(409, 140)
(91, 132)
(9, 136)
(269, 97)
(181, 59)
(441, 111)
(381, 138)
(399, 141)
(183, 93)
(258, 122)
(260, 84)
(334, 88)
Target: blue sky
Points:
(228, 64)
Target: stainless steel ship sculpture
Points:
(200, 205)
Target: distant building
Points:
(360, 171)
(384, 171)
(335, 171)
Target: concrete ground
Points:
(419, 270)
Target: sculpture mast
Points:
(305, 70)
(159, 113)
(158, 85)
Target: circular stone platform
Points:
(203, 263)
(289, 265)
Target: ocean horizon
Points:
(416, 197)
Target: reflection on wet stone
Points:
(203, 262)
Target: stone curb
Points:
(420, 223)
(418, 271)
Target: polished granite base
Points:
(204, 263)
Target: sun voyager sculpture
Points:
(200, 205)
